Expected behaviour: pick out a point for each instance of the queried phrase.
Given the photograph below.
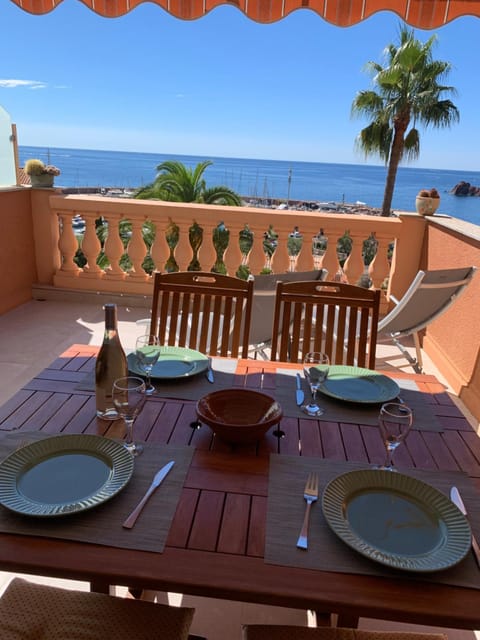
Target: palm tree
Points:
(408, 92)
(178, 183)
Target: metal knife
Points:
(157, 480)
(299, 395)
(456, 498)
(210, 376)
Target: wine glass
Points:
(147, 352)
(395, 421)
(315, 368)
(129, 397)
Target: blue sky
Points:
(222, 85)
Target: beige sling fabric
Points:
(31, 611)
(286, 632)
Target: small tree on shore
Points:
(408, 91)
(177, 183)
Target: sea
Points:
(266, 179)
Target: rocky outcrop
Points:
(465, 189)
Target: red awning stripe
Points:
(423, 14)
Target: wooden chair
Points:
(264, 290)
(204, 311)
(30, 611)
(339, 319)
(287, 632)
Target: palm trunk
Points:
(395, 157)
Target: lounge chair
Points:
(286, 632)
(430, 294)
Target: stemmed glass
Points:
(129, 397)
(315, 368)
(395, 421)
(147, 351)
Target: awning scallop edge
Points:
(423, 14)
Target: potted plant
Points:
(41, 174)
(427, 201)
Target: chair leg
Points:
(417, 366)
(319, 619)
(418, 349)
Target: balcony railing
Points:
(237, 241)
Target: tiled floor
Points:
(34, 334)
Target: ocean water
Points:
(309, 181)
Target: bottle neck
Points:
(110, 322)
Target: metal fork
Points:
(311, 495)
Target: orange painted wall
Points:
(453, 340)
(17, 249)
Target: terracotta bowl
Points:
(239, 415)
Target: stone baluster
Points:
(281, 259)
(233, 256)
(379, 268)
(91, 247)
(159, 250)
(305, 257)
(256, 257)
(67, 244)
(330, 258)
(354, 266)
(113, 248)
(137, 251)
(183, 250)
(207, 253)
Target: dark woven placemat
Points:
(326, 552)
(338, 411)
(103, 524)
(190, 388)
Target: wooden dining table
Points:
(216, 542)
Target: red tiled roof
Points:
(23, 178)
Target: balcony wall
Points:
(17, 248)
(38, 245)
(453, 340)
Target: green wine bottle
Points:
(111, 364)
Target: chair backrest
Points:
(335, 318)
(290, 632)
(429, 295)
(29, 610)
(208, 312)
(264, 291)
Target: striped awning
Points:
(423, 14)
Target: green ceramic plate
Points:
(396, 520)
(64, 474)
(174, 362)
(354, 384)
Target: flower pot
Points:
(43, 180)
(426, 206)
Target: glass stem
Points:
(389, 460)
(129, 434)
(149, 381)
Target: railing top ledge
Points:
(76, 203)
